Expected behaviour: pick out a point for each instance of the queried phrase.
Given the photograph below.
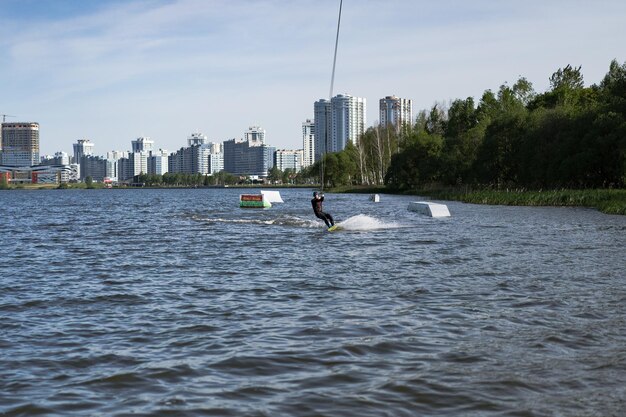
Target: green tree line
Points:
(570, 136)
(186, 180)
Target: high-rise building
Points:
(117, 155)
(83, 147)
(308, 143)
(59, 158)
(322, 130)
(115, 169)
(158, 162)
(125, 169)
(216, 147)
(94, 167)
(20, 144)
(242, 158)
(197, 158)
(288, 159)
(139, 162)
(89, 165)
(142, 144)
(348, 120)
(216, 163)
(187, 160)
(142, 149)
(338, 122)
(396, 111)
(196, 139)
(255, 136)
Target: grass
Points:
(610, 201)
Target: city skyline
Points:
(113, 71)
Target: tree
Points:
(460, 145)
(418, 164)
(275, 175)
(497, 160)
(4, 183)
(436, 121)
(523, 90)
(567, 78)
(288, 176)
(614, 88)
(221, 178)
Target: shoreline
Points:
(608, 201)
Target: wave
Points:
(361, 222)
(293, 221)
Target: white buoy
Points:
(375, 198)
(429, 209)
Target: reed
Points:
(610, 201)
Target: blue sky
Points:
(114, 70)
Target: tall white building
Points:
(337, 122)
(142, 144)
(199, 157)
(139, 162)
(288, 159)
(348, 120)
(158, 162)
(308, 143)
(396, 111)
(142, 149)
(196, 139)
(322, 130)
(117, 154)
(216, 163)
(255, 136)
(216, 147)
(113, 158)
(83, 147)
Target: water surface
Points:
(178, 302)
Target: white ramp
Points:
(272, 196)
(429, 209)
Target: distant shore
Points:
(609, 201)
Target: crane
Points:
(4, 117)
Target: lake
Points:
(154, 302)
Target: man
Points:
(316, 202)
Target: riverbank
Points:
(609, 201)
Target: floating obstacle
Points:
(272, 196)
(253, 201)
(429, 209)
(375, 198)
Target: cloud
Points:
(167, 68)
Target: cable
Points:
(330, 99)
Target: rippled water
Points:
(178, 303)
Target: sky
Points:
(115, 70)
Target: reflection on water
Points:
(157, 302)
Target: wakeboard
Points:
(333, 228)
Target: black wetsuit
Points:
(317, 209)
